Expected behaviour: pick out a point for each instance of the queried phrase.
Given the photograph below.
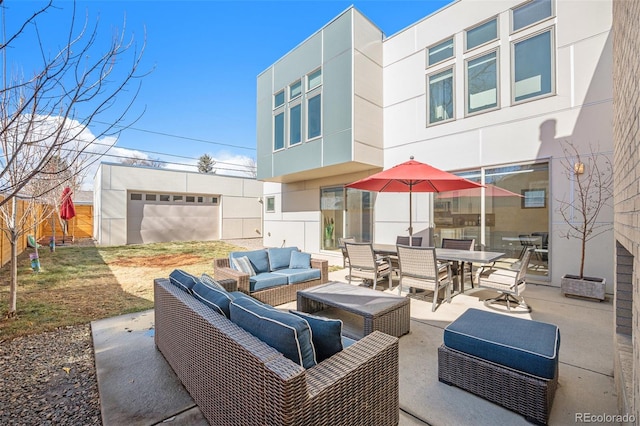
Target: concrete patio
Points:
(137, 387)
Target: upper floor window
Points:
(530, 13)
(440, 95)
(278, 99)
(295, 124)
(533, 67)
(482, 34)
(314, 117)
(440, 52)
(295, 90)
(278, 131)
(482, 83)
(314, 79)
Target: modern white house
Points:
(136, 205)
(490, 90)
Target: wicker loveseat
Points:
(237, 379)
(274, 283)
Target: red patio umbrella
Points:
(413, 176)
(67, 209)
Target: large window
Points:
(482, 34)
(482, 83)
(440, 95)
(345, 213)
(295, 123)
(314, 117)
(278, 131)
(533, 67)
(440, 52)
(530, 13)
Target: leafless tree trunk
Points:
(52, 124)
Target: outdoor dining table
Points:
(449, 255)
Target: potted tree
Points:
(329, 225)
(591, 177)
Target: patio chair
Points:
(526, 242)
(509, 282)
(419, 268)
(364, 264)
(345, 256)
(461, 244)
(404, 240)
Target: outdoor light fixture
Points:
(578, 168)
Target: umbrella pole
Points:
(410, 219)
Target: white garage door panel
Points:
(149, 222)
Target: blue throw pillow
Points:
(300, 260)
(243, 264)
(326, 334)
(183, 280)
(279, 258)
(287, 333)
(208, 280)
(218, 300)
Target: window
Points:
(200, 199)
(178, 198)
(136, 197)
(165, 198)
(482, 34)
(295, 124)
(314, 117)
(440, 52)
(533, 67)
(150, 197)
(314, 79)
(534, 198)
(530, 13)
(278, 99)
(278, 131)
(271, 204)
(295, 90)
(190, 199)
(214, 200)
(440, 95)
(482, 83)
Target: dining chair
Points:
(345, 256)
(526, 243)
(404, 240)
(509, 282)
(461, 244)
(364, 264)
(420, 269)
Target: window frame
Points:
(310, 97)
(277, 114)
(495, 18)
(270, 204)
(453, 95)
(307, 79)
(466, 82)
(531, 24)
(277, 105)
(290, 143)
(552, 51)
(453, 53)
(298, 84)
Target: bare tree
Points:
(252, 167)
(591, 176)
(205, 164)
(146, 162)
(48, 115)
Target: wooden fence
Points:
(81, 226)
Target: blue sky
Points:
(205, 57)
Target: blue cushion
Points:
(295, 276)
(524, 345)
(216, 299)
(183, 280)
(280, 257)
(243, 264)
(326, 334)
(266, 280)
(300, 260)
(258, 258)
(283, 331)
(237, 294)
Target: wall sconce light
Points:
(578, 168)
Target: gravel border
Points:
(49, 379)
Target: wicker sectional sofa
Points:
(272, 264)
(237, 379)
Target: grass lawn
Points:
(79, 284)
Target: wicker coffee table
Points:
(361, 309)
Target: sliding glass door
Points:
(345, 213)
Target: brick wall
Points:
(626, 128)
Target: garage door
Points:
(153, 218)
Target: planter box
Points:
(588, 287)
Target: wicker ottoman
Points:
(510, 361)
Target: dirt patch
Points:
(160, 261)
